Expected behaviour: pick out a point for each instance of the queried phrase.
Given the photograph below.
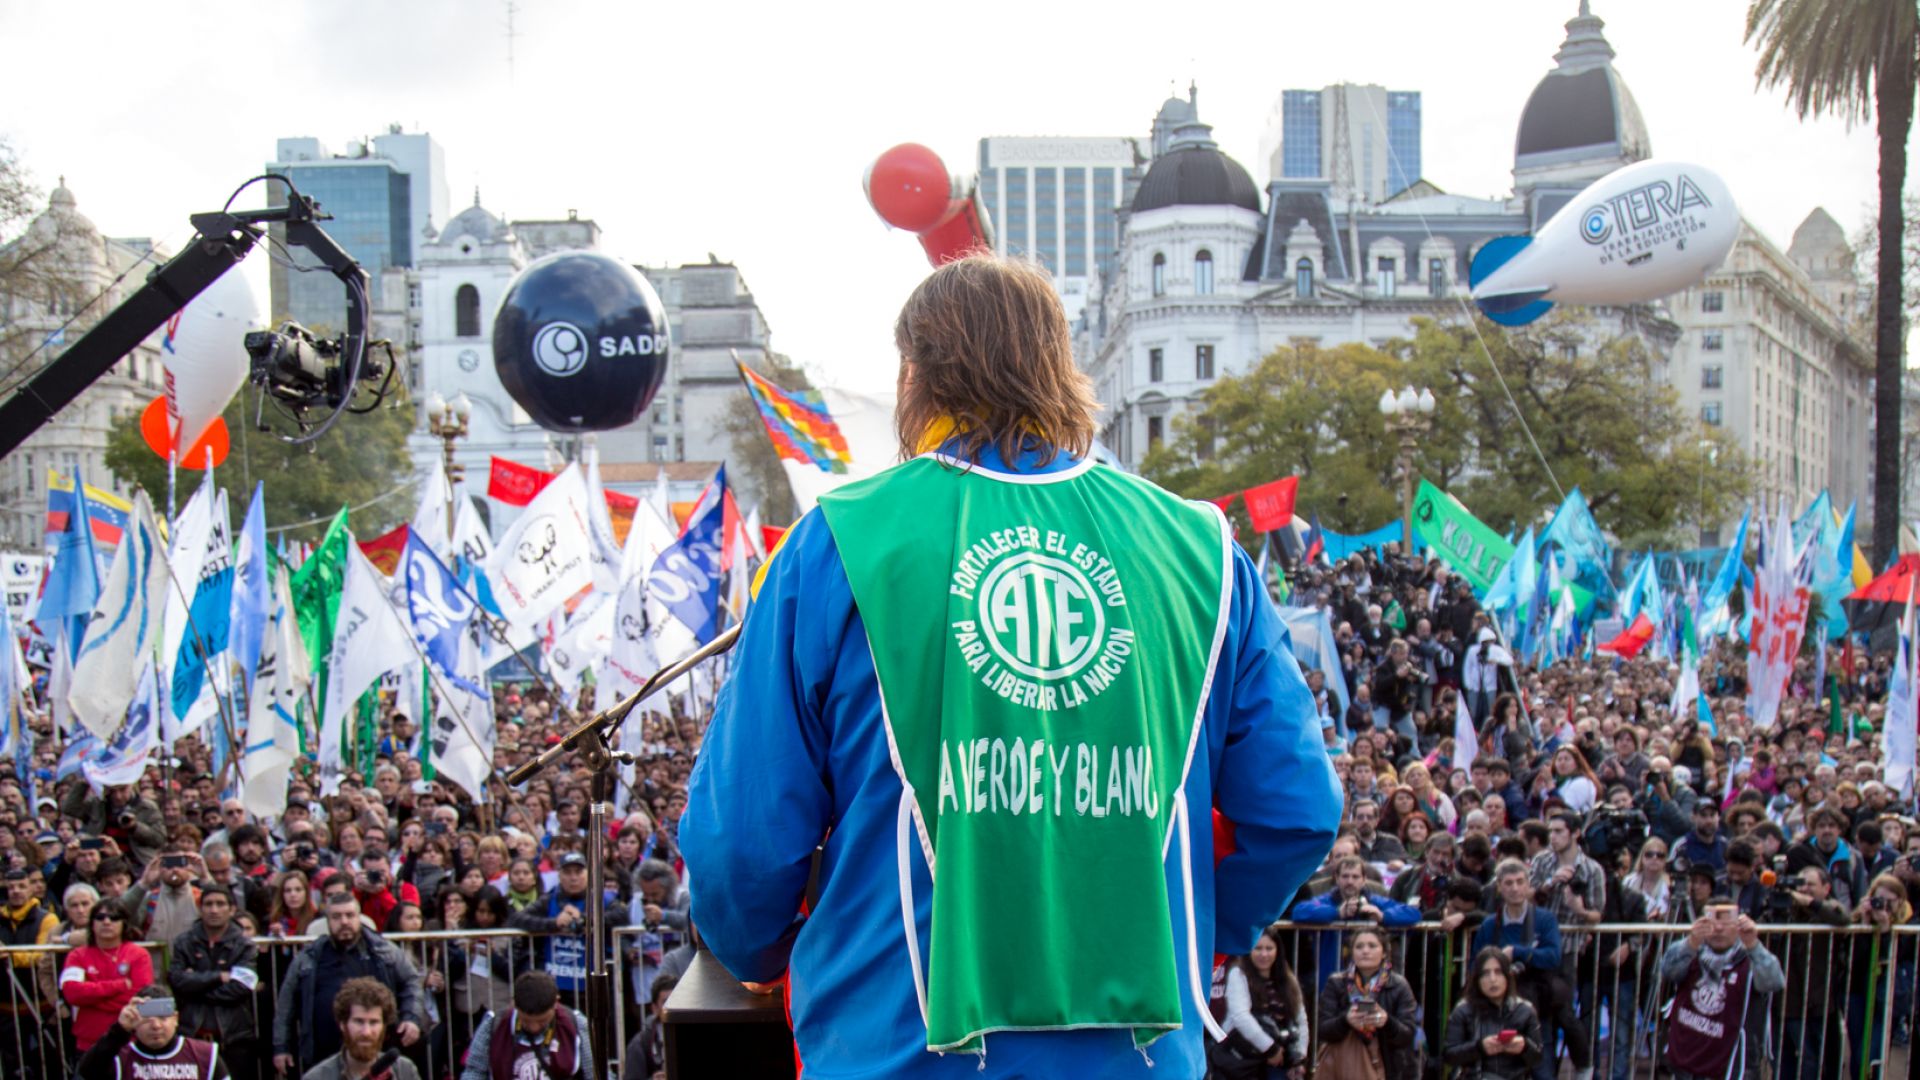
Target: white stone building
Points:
(83, 263)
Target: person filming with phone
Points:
(146, 1041)
(1722, 977)
(1494, 1032)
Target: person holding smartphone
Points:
(1368, 1016)
(1880, 964)
(145, 1040)
(164, 903)
(1723, 977)
(1493, 1032)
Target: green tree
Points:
(1602, 413)
(362, 459)
(753, 453)
(1854, 58)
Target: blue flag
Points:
(1579, 536)
(208, 616)
(1715, 616)
(686, 578)
(252, 588)
(73, 582)
(438, 610)
(1833, 576)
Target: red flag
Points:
(770, 537)
(1631, 640)
(1271, 505)
(516, 484)
(384, 551)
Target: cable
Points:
(404, 485)
(1472, 322)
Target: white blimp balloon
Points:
(205, 354)
(1637, 234)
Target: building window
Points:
(1159, 274)
(1303, 279)
(1436, 276)
(1156, 430)
(1156, 365)
(1203, 361)
(33, 478)
(1710, 413)
(1203, 273)
(1713, 301)
(466, 312)
(1384, 277)
(1711, 376)
(1713, 340)
(659, 448)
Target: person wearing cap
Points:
(559, 920)
(145, 1041)
(211, 971)
(100, 977)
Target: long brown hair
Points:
(983, 342)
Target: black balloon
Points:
(581, 342)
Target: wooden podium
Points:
(717, 1028)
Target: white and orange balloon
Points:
(205, 357)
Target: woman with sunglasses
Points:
(1651, 880)
(101, 977)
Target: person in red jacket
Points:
(101, 977)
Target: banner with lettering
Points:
(1270, 506)
(1466, 543)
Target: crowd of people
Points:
(1460, 903)
(301, 944)
(1589, 881)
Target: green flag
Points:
(1836, 723)
(316, 597)
(1473, 550)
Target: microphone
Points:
(383, 1065)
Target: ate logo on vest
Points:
(1036, 621)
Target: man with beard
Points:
(349, 951)
(364, 1009)
(146, 1044)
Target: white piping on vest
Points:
(906, 901)
(1185, 827)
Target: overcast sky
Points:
(744, 129)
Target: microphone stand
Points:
(593, 738)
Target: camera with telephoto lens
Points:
(1614, 830)
(1879, 903)
(1780, 903)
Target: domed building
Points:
(1211, 276)
(60, 279)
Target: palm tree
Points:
(1852, 59)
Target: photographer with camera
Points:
(1811, 1046)
(1257, 1000)
(164, 903)
(1530, 937)
(134, 822)
(1574, 888)
(1879, 964)
(1668, 802)
(1744, 881)
(375, 887)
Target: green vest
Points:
(1044, 645)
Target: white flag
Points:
(207, 627)
(648, 536)
(662, 496)
(462, 730)
(605, 548)
(1466, 741)
(188, 549)
(124, 759)
(471, 540)
(587, 639)
(1903, 703)
(546, 555)
(369, 640)
(124, 626)
(279, 686)
(630, 657)
(430, 516)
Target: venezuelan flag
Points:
(106, 511)
(799, 424)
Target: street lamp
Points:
(1410, 415)
(447, 421)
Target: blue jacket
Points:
(1325, 908)
(1537, 947)
(797, 756)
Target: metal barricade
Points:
(1847, 1010)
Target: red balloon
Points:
(157, 430)
(910, 188)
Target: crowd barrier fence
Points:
(1837, 977)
